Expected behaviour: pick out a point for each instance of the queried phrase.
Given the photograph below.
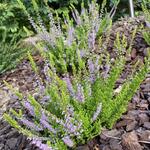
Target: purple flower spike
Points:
(69, 85)
(98, 110)
(70, 36)
(76, 17)
(80, 94)
(29, 107)
(68, 141)
(91, 39)
(30, 125)
(47, 125)
(40, 145)
(91, 66)
(82, 53)
(45, 99)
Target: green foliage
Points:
(77, 108)
(65, 41)
(76, 99)
(146, 10)
(10, 54)
(11, 21)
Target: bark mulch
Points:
(131, 132)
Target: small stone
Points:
(12, 143)
(115, 144)
(145, 135)
(2, 146)
(143, 118)
(106, 148)
(130, 141)
(146, 125)
(131, 126)
(123, 123)
(112, 133)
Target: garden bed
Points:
(131, 132)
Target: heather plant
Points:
(63, 43)
(77, 97)
(71, 110)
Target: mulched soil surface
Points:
(131, 132)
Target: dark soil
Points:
(131, 132)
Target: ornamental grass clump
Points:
(73, 105)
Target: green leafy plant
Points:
(73, 109)
(11, 21)
(74, 104)
(146, 10)
(63, 43)
(10, 54)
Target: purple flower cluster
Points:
(69, 85)
(97, 112)
(67, 140)
(93, 69)
(29, 107)
(80, 93)
(31, 125)
(40, 145)
(76, 17)
(71, 125)
(70, 37)
(33, 24)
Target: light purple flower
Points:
(33, 23)
(48, 126)
(80, 93)
(30, 124)
(44, 122)
(91, 66)
(69, 85)
(98, 110)
(91, 39)
(70, 37)
(29, 107)
(76, 17)
(40, 145)
(82, 53)
(67, 140)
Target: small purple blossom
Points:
(70, 37)
(98, 110)
(82, 53)
(40, 145)
(91, 39)
(67, 140)
(80, 93)
(47, 125)
(45, 99)
(30, 124)
(33, 23)
(91, 66)
(29, 107)
(44, 122)
(69, 85)
(76, 17)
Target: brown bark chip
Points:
(130, 141)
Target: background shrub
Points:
(10, 54)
